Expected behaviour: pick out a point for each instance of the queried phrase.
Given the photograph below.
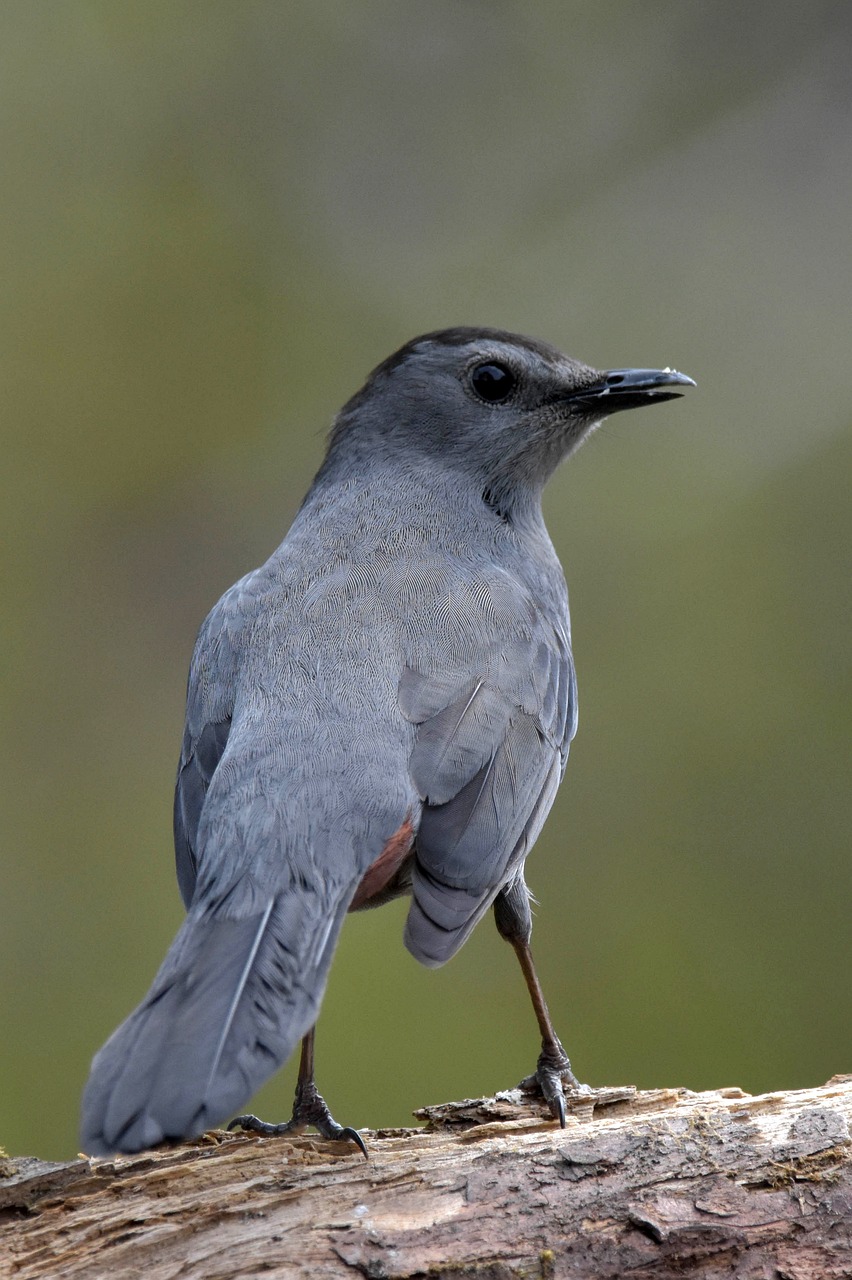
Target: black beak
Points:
(630, 389)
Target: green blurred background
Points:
(215, 219)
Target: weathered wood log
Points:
(657, 1184)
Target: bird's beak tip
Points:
(631, 388)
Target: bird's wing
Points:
(209, 706)
(490, 751)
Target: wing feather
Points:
(490, 750)
(209, 707)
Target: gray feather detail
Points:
(230, 1003)
(455, 743)
(442, 917)
(439, 920)
(209, 711)
(238, 994)
(199, 760)
(489, 753)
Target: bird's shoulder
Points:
(218, 649)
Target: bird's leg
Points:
(309, 1108)
(553, 1065)
(514, 921)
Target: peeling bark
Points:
(658, 1184)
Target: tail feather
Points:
(232, 1000)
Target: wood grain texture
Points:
(657, 1184)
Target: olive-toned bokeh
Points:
(215, 218)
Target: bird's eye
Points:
(493, 382)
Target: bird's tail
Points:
(234, 996)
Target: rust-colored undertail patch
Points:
(389, 861)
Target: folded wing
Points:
(490, 751)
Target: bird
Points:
(383, 708)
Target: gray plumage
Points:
(404, 657)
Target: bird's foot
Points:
(309, 1108)
(553, 1068)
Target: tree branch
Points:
(657, 1184)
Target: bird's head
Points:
(502, 408)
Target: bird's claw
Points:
(308, 1109)
(351, 1135)
(553, 1067)
(253, 1124)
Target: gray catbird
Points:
(383, 708)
